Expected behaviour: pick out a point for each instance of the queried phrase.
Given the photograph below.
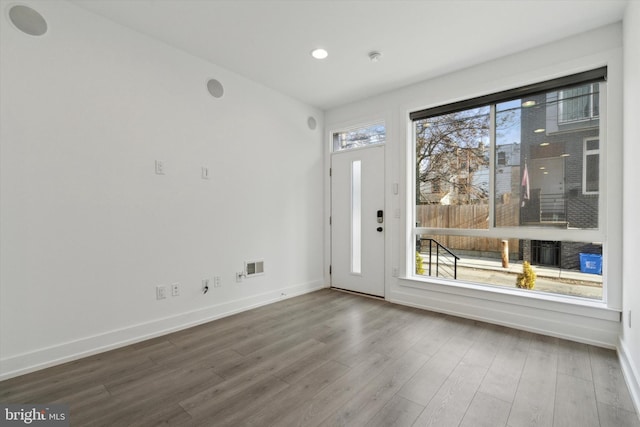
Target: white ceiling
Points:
(270, 41)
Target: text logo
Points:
(34, 415)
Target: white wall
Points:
(630, 337)
(88, 229)
(589, 323)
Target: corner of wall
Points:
(630, 374)
(629, 340)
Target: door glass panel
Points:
(356, 217)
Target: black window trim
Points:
(591, 76)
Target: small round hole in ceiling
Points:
(27, 20)
(374, 56)
(215, 88)
(311, 122)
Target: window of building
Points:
(360, 137)
(591, 168)
(540, 207)
(579, 103)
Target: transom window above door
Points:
(360, 137)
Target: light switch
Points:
(159, 167)
(205, 173)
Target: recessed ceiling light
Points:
(319, 53)
(544, 144)
(540, 130)
(528, 103)
(565, 155)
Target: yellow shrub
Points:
(419, 267)
(526, 280)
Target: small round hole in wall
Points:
(27, 20)
(311, 122)
(215, 88)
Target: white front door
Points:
(358, 220)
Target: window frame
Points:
(518, 232)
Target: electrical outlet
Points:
(395, 272)
(217, 282)
(161, 292)
(175, 289)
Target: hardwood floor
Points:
(330, 359)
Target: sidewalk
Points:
(541, 271)
(489, 271)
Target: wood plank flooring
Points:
(334, 359)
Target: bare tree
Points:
(449, 149)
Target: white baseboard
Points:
(630, 374)
(50, 356)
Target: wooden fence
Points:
(469, 216)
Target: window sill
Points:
(532, 299)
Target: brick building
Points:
(560, 147)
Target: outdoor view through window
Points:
(509, 184)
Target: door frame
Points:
(391, 200)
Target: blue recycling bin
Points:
(591, 263)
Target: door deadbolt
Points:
(379, 229)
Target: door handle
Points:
(379, 229)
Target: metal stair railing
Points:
(449, 264)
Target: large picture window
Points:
(504, 182)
